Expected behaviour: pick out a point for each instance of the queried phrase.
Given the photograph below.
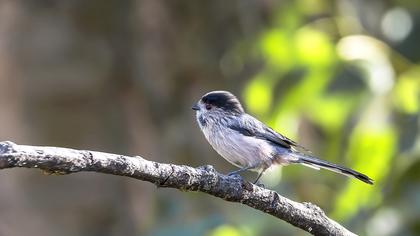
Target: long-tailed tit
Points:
(248, 144)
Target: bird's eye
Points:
(208, 106)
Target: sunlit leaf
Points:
(276, 48)
(225, 230)
(258, 95)
(313, 83)
(407, 92)
(330, 112)
(314, 47)
(297, 99)
(370, 152)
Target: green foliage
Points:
(304, 63)
(371, 151)
(258, 95)
(227, 230)
(407, 91)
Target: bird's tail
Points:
(317, 164)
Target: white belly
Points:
(241, 150)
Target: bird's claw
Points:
(234, 175)
(259, 184)
(208, 168)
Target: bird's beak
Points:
(195, 107)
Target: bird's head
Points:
(220, 103)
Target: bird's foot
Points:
(208, 168)
(234, 175)
(259, 184)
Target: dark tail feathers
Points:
(317, 163)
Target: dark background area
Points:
(340, 77)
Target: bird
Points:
(248, 143)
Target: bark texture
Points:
(56, 160)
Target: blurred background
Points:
(340, 77)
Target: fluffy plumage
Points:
(249, 144)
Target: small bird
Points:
(249, 144)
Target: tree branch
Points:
(205, 179)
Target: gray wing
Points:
(249, 126)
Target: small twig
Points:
(205, 179)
